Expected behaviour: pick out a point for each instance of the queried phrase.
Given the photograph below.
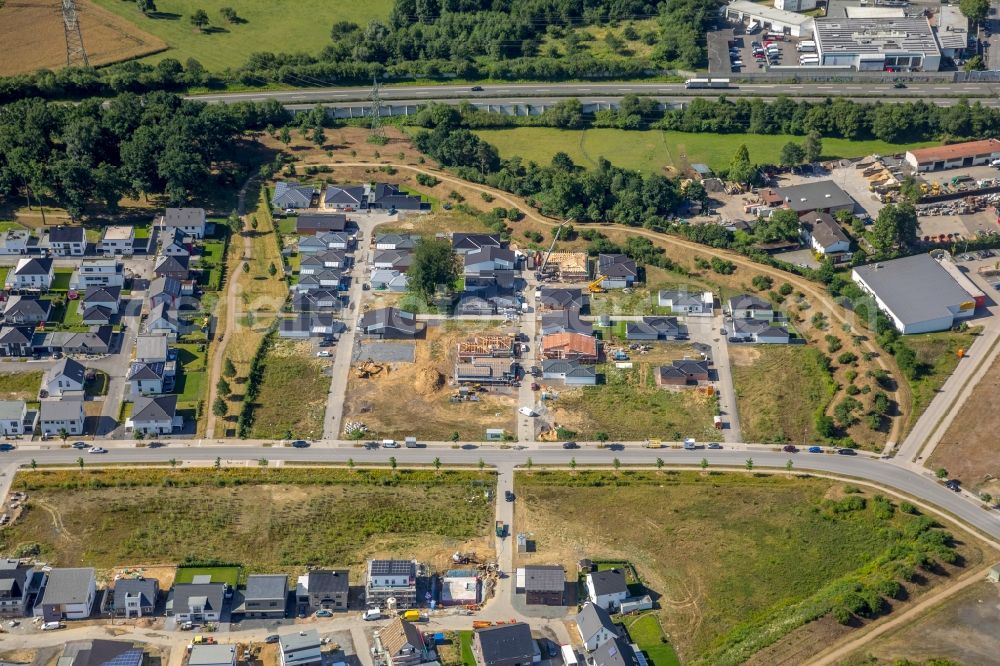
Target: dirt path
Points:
(901, 395)
(232, 295)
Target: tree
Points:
(147, 7)
(740, 168)
(318, 136)
(792, 154)
(223, 387)
(974, 64)
(788, 465)
(34, 464)
(941, 473)
(812, 147)
(529, 463)
(350, 463)
(975, 10)
(749, 464)
(285, 136)
(262, 462)
(246, 267)
(659, 464)
(253, 223)
(80, 462)
(199, 19)
(572, 463)
(272, 270)
(392, 462)
(704, 463)
(437, 463)
(219, 407)
(63, 434)
(218, 463)
(617, 463)
(229, 14)
(228, 368)
(482, 464)
(601, 436)
(173, 463)
(434, 266)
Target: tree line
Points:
(131, 146)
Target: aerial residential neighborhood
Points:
(499, 334)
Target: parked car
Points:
(715, 445)
(323, 612)
(390, 444)
(98, 449)
(526, 411)
(847, 452)
(789, 448)
(815, 449)
(323, 353)
(534, 386)
(300, 444)
(79, 445)
(508, 495)
(272, 638)
(570, 445)
(952, 484)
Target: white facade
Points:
(795, 5)
(702, 303)
(769, 19)
(97, 273)
(117, 239)
(12, 415)
(19, 279)
(606, 601)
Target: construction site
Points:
(422, 397)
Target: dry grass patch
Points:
(292, 399)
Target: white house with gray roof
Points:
(196, 602)
(570, 372)
(190, 221)
(301, 649)
(15, 419)
(212, 655)
(595, 626)
(152, 348)
(19, 310)
(98, 273)
(65, 378)
(681, 301)
(154, 415)
(31, 274)
(57, 415)
(266, 595)
(607, 588)
(68, 594)
(292, 196)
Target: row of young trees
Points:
(133, 145)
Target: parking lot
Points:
(784, 52)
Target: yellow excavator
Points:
(595, 286)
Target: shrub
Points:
(847, 358)
(785, 289)
(833, 344)
(762, 282)
(427, 180)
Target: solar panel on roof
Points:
(130, 658)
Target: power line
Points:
(377, 134)
(76, 55)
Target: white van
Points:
(527, 411)
(52, 626)
(390, 444)
(806, 48)
(809, 60)
(372, 614)
(690, 443)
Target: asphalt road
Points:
(863, 467)
(508, 93)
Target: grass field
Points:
(230, 575)
(32, 34)
(779, 411)
(316, 516)
(292, 398)
(648, 635)
(20, 385)
(190, 383)
(289, 26)
(652, 150)
(937, 354)
(630, 406)
(738, 561)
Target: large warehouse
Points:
(877, 44)
(970, 153)
(917, 293)
(768, 19)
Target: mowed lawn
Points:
(279, 26)
(650, 151)
(264, 520)
(785, 410)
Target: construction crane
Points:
(552, 246)
(596, 287)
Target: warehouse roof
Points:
(914, 288)
(814, 196)
(955, 151)
(875, 35)
(768, 13)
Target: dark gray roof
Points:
(328, 581)
(616, 652)
(509, 642)
(266, 586)
(62, 234)
(140, 370)
(616, 266)
(472, 242)
(100, 295)
(321, 222)
(182, 593)
(546, 578)
(67, 586)
(154, 408)
(17, 335)
(389, 318)
(565, 320)
(171, 264)
(592, 618)
(568, 367)
(20, 307)
(183, 217)
(144, 588)
(101, 652)
(286, 194)
(96, 313)
(304, 640)
(823, 228)
(609, 581)
(490, 253)
(13, 574)
(817, 195)
(914, 288)
(749, 302)
(33, 266)
(70, 368)
(165, 285)
(400, 241)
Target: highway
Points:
(863, 467)
(507, 93)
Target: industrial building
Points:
(823, 196)
(918, 293)
(952, 31)
(769, 19)
(795, 5)
(901, 44)
(954, 156)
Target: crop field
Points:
(652, 151)
(629, 406)
(292, 399)
(738, 561)
(317, 516)
(33, 37)
(280, 26)
(779, 411)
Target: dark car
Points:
(477, 89)
(788, 448)
(300, 444)
(156, 445)
(898, 84)
(815, 449)
(952, 484)
(508, 495)
(80, 445)
(273, 638)
(847, 452)
(715, 445)
(570, 445)
(7, 446)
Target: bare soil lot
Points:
(31, 32)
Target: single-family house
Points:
(135, 597)
(323, 588)
(21, 310)
(310, 325)
(301, 649)
(391, 579)
(16, 580)
(196, 602)
(164, 290)
(315, 263)
(384, 279)
(146, 378)
(486, 371)
(616, 652)
(544, 585)
(654, 328)
(760, 331)
(63, 241)
(100, 652)
(266, 595)
(489, 258)
(375, 196)
(66, 377)
(212, 655)
(68, 594)
(504, 645)
(467, 243)
(618, 270)
(58, 415)
(292, 196)
(152, 348)
(97, 340)
(154, 415)
(561, 298)
(101, 297)
(117, 240)
(320, 300)
(162, 318)
(97, 273)
(390, 323)
(682, 373)
(315, 225)
(572, 373)
(337, 240)
(16, 419)
(570, 346)
(31, 274)
(96, 315)
(595, 626)
(823, 233)
(748, 306)
(681, 301)
(487, 301)
(14, 241)
(504, 280)
(173, 267)
(397, 260)
(172, 244)
(396, 241)
(189, 221)
(403, 644)
(607, 588)
(16, 340)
